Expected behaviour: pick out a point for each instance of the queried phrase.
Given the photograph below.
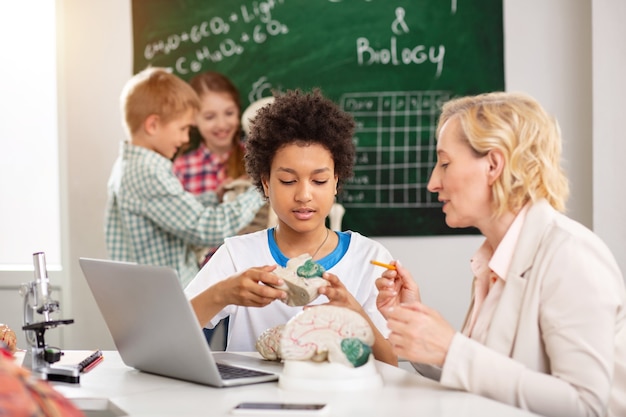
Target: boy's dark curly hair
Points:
(302, 118)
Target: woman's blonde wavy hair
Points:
(528, 137)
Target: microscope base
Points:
(59, 373)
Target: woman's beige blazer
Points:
(557, 342)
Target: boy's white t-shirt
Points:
(240, 253)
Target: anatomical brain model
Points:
(302, 277)
(323, 348)
(320, 334)
(8, 337)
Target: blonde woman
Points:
(546, 326)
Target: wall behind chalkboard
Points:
(390, 63)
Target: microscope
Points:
(40, 357)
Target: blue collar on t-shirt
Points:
(327, 261)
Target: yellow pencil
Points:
(384, 265)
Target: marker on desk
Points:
(384, 265)
(91, 361)
(93, 364)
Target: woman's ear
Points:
(495, 157)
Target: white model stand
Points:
(327, 376)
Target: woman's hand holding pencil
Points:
(395, 286)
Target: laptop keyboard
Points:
(234, 372)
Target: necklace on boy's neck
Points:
(318, 248)
(322, 244)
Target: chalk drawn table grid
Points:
(395, 148)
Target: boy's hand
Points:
(338, 294)
(252, 288)
(221, 189)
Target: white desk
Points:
(140, 394)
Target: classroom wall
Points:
(609, 137)
(548, 53)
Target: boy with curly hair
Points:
(299, 153)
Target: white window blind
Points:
(29, 160)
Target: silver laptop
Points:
(155, 329)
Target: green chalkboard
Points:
(391, 63)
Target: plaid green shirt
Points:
(151, 219)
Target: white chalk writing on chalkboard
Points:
(394, 55)
(259, 26)
(399, 55)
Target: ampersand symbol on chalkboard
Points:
(399, 26)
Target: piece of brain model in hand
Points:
(302, 278)
(327, 333)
